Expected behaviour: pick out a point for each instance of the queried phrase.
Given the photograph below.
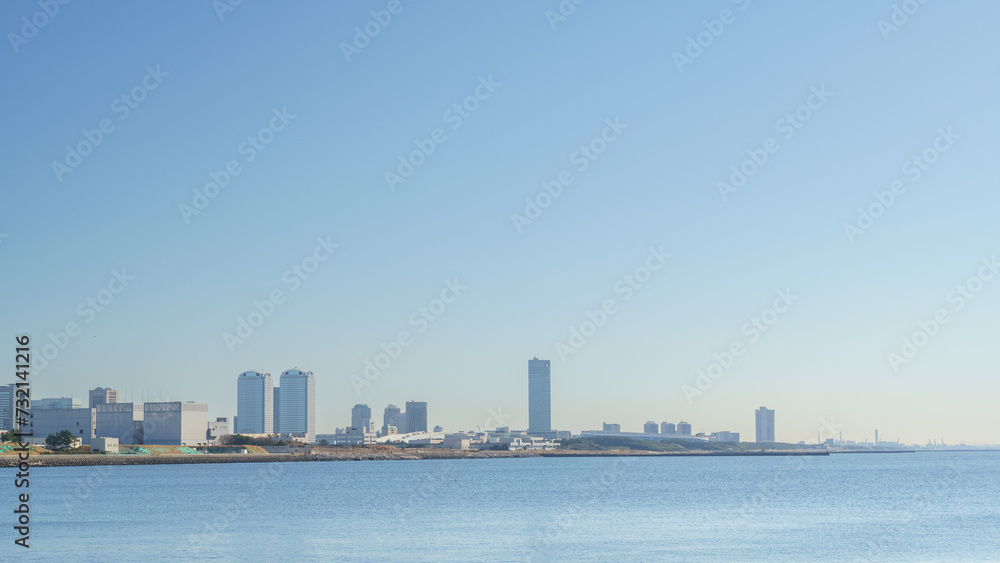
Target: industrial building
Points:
(216, 430)
(175, 423)
(122, 421)
(57, 403)
(81, 422)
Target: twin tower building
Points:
(288, 409)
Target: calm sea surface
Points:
(891, 507)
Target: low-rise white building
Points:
(104, 445)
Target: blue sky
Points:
(322, 176)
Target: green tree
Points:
(7, 437)
(324, 442)
(59, 440)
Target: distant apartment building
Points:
(606, 427)
(57, 403)
(651, 428)
(765, 424)
(254, 403)
(359, 413)
(120, 420)
(416, 416)
(81, 422)
(217, 429)
(298, 404)
(668, 428)
(387, 414)
(8, 400)
(399, 421)
(539, 395)
(724, 436)
(683, 428)
(175, 423)
(102, 396)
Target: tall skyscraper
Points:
(254, 403)
(358, 414)
(539, 396)
(297, 411)
(683, 428)
(389, 412)
(667, 428)
(8, 398)
(416, 416)
(765, 424)
(651, 428)
(102, 396)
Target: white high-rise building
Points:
(297, 412)
(8, 398)
(765, 424)
(254, 404)
(539, 396)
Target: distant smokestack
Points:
(876, 436)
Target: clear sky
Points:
(340, 109)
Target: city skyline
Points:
(673, 239)
(415, 420)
